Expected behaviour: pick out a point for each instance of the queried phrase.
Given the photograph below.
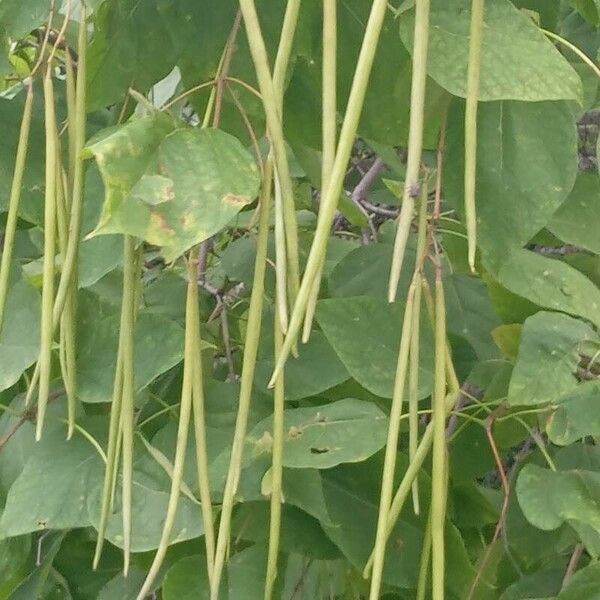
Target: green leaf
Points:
(550, 498)
(508, 338)
(322, 437)
(577, 220)
(470, 314)
(365, 333)
(315, 370)
(123, 588)
(550, 283)
(51, 492)
(172, 188)
(20, 336)
(14, 554)
(17, 19)
(187, 579)
(584, 585)
(158, 347)
(526, 167)
(518, 62)
(149, 507)
(548, 358)
(576, 416)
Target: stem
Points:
(185, 411)
(128, 399)
(246, 385)
(45, 358)
(582, 55)
(14, 201)
(391, 448)
(331, 197)
(476, 35)
(276, 470)
(439, 471)
(329, 135)
(415, 142)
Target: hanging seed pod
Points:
(15, 201)
(415, 142)
(46, 335)
(473, 72)
(329, 135)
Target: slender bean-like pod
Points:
(14, 201)
(276, 470)
(200, 436)
(69, 266)
(70, 83)
(271, 94)
(67, 345)
(328, 133)
(330, 199)
(128, 308)
(246, 385)
(280, 260)
(415, 142)
(45, 358)
(112, 461)
(424, 564)
(391, 448)
(438, 469)
(415, 335)
(185, 411)
(473, 71)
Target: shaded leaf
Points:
(376, 325)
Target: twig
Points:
(572, 566)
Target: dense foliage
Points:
(302, 306)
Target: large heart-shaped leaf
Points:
(322, 437)
(548, 358)
(376, 326)
(517, 61)
(526, 167)
(169, 186)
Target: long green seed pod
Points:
(276, 470)
(438, 469)
(14, 201)
(70, 83)
(415, 142)
(185, 411)
(200, 434)
(246, 386)
(272, 108)
(413, 378)
(280, 259)
(330, 199)
(130, 275)
(391, 448)
(328, 133)
(45, 359)
(69, 267)
(473, 72)
(112, 466)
